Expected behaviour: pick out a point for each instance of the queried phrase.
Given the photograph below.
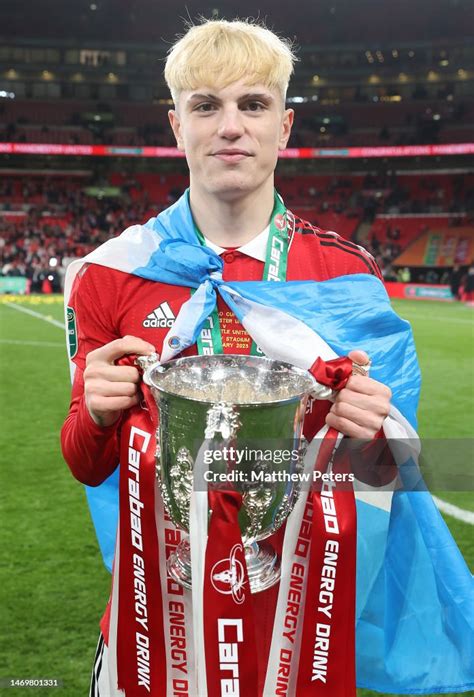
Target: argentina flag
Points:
(415, 594)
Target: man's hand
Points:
(110, 388)
(361, 406)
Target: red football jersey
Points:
(110, 304)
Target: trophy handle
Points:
(319, 391)
(147, 364)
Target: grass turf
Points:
(54, 587)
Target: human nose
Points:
(230, 124)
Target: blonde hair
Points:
(217, 53)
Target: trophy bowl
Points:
(237, 421)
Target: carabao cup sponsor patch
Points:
(71, 331)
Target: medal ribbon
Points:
(276, 262)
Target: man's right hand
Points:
(110, 388)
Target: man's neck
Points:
(232, 223)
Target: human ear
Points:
(286, 124)
(175, 124)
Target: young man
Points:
(228, 81)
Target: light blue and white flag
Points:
(415, 594)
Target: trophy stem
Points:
(179, 564)
(263, 565)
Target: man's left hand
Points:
(361, 406)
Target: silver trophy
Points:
(239, 420)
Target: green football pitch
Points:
(53, 585)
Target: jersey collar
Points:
(256, 248)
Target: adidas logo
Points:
(162, 316)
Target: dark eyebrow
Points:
(197, 96)
(262, 96)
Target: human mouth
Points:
(231, 155)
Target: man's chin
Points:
(232, 185)
(231, 190)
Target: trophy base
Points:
(263, 565)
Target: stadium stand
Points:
(122, 123)
(46, 220)
(440, 247)
(356, 83)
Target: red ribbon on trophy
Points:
(229, 634)
(140, 636)
(334, 373)
(327, 660)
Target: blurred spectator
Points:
(404, 275)
(388, 273)
(455, 281)
(468, 295)
(432, 276)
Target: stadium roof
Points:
(325, 22)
